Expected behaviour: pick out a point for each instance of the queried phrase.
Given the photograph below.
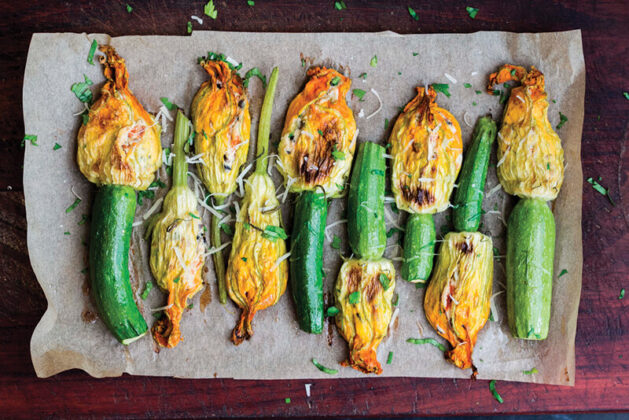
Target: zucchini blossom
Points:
(257, 271)
(457, 301)
(319, 135)
(177, 245)
(120, 142)
(427, 154)
(364, 294)
(530, 156)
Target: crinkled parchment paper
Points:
(69, 337)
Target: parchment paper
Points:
(69, 337)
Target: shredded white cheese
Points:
(279, 261)
(474, 73)
(331, 225)
(465, 119)
(162, 308)
(198, 19)
(492, 305)
(215, 250)
(494, 189)
(379, 104)
(361, 113)
(153, 208)
(241, 187)
(180, 259)
(450, 78)
(75, 194)
(308, 389)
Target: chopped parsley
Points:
(129, 8)
(374, 61)
(441, 87)
(66, 233)
(85, 117)
(82, 90)
(176, 280)
(622, 293)
(392, 231)
(332, 310)
(57, 146)
(287, 400)
(474, 103)
(147, 289)
(390, 358)
(335, 81)
(364, 75)
(467, 85)
(73, 205)
(167, 103)
(320, 133)
(413, 13)
(149, 193)
(359, 93)
(340, 5)
(336, 242)
(244, 259)
(384, 281)
(336, 154)
(194, 216)
(254, 72)
(598, 187)
(492, 388)
(472, 11)
(478, 92)
(415, 54)
(83, 220)
(251, 3)
(626, 95)
(323, 368)
(210, 10)
(530, 372)
(31, 138)
(227, 229)
(90, 55)
(189, 27)
(564, 271)
(274, 232)
(354, 297)
(562, 120)
(386, 123)
(427, 341)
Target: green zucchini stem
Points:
(180, 165)
(217, 257)
(264, 127)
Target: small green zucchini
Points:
(419, 248)
(110, 233)
(306, 259)
(529, 267)
(365, 208)
(468, 198)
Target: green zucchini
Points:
(110, 233)
(306, 259)
(468, 198)
(365, 206)
(529, 267)
(419, 248)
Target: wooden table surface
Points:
(602, 343)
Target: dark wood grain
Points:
(602, 355)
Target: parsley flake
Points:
(227, 229)
(323, 368)
(626, 95)
(530, 372)
(359, 93)
(467, 85)
(274, 233)
(167, 103)
(90, 55)
(602, 190)
(72, 206)
(251, 3)
(129, 8)
(82, 90)
(332, 310)
(189, 27)
(562, 120)
(336, 242)
(210, 10)
(362, 76)
(441, 87)
(354, 297)
(335, 81)
(429, 340)
(413, 13)
(147, 289)
(254, 72)
(622, 293)
(374, 61)
(384, 281)
(472, 11)
(492, 388)
(386, 123)
(336, 154)
(340, 5)
(390, 358)
(57, 146)
(32, 138)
